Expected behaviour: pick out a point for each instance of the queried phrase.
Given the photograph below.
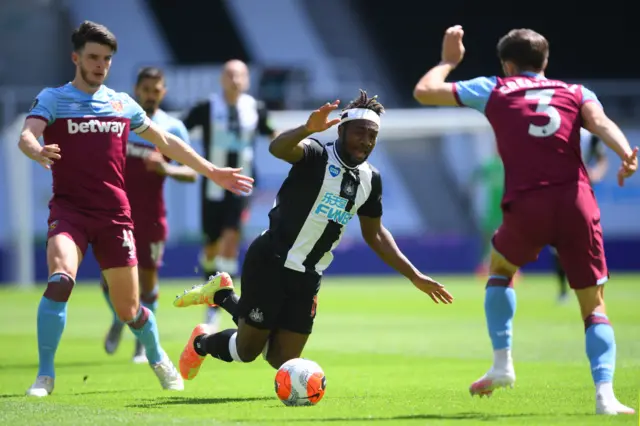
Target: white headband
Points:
(359, 114)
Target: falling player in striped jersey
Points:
(145, 174)
(595, 160)
(85, 126)
(326, 187)
(548, 199)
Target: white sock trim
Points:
(233, 349)
(265, 351)
(502, 358)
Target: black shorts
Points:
(274, 297)
(220, 215)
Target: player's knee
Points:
(59, 287)
(248, 352)
(250, 346)
(126, 312)
(591, 300)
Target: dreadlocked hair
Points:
(364, 101)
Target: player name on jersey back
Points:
(525, 83)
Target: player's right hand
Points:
(433, 288)
(319, 119)
(231, 180)
(452, 46)
(628, 167)
(47, 154)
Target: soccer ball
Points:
(300, 382)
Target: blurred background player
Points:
(595, 160)
(548, 199)
(145, 173)
(490, 175)
(326, 187)
(230, 122)
(85, 126)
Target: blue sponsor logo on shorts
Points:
(333, 170)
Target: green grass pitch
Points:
(390, 355)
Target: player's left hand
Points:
(231, 180)
(433, 288)
(452, 46)
(155, 162)
(628, 167)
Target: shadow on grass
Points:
(63, 394)
(181, 400)
(483, 417)
(72, 364)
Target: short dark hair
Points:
(364, 101)
(527, 49)
(149, 72)
(90, 32)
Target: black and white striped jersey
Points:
(228, 134)
(317, 200)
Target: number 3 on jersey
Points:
(543, 99)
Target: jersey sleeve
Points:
(265, 127)
(313, 150)
(474, 93)
(373, 206)
(198, 115)
(139, 120)
(589, 96)
(44, 106)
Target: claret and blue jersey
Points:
(537, 125)
(91, 131)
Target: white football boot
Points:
(43, 386)
(495, 378)
(168, 375)
(607, 403)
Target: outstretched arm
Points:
(596, 121)
(382, 243)
(432, 88)
(156, 161)
(288, 146)
(176, 149)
